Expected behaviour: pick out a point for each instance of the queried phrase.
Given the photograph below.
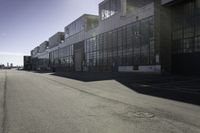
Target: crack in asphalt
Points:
(4, 105)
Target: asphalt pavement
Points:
(46, 103)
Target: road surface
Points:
(43, 103)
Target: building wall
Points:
(119, 19)
(163, 36)
(41, 61)
(77, 30)
(186, 37)
(109, 24)
(119, 42)
(43, 46)
(75, 27)
(56, 39)
(129, 45)
(137, 36)
(123, 41)
(62, 58)
(27, 63)
(35, 51)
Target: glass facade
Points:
(186, 27)
(132, 44)
(129, 45)
(62, 57)
(43, 64)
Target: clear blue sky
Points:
(24, 24)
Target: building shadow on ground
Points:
(179, 88)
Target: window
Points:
(132, 44)
(186, 27)
(114, 6)
(109, 8)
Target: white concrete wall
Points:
(112, 23)
(75, 38)
(119, 19)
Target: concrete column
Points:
(163, 36)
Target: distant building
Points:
(2, 66)
(27, 63)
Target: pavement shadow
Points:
(180, 88)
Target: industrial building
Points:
(160, 36)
